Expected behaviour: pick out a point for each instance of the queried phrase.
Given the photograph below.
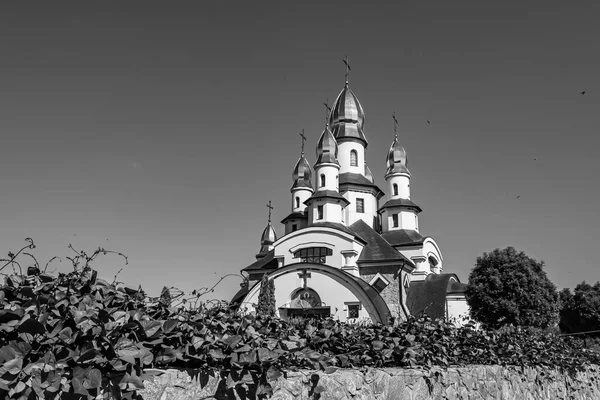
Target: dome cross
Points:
(348, 69)
(328, 112)
(270, 207)
(395, 124)
(303, 140)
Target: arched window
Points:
(353, 158)
(432, 263)
(395, 186)
(297, 201)
(322, 180)
(313, 254)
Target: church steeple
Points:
(301, 190)
(326, 204)
(268, 237)
(399, 212)
(347, 118)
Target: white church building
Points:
(346, 252)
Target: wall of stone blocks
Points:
(478, 382)
(392, 293)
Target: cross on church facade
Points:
(270, 207)
(326, 104)
(348, 69)
(304, 275)
(303, 140)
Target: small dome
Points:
(369, 174)
(267, 239)
(327, 148)
(302, 174)
(347, 108)
(396, 159)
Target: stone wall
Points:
(480, 382)
(391, 294)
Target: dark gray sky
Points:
(162, 129)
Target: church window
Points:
(353, 310)
(395, 220)
(313, 254)
(360, 205)
(395, 189)
(379, 283)
(297, 201)
(322, 180)
(432, 263)
(353, 158)
(319, 212)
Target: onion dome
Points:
(302, 174)
(369, 174)
(347, 118)
(327, 149)
(267, 239)
(396, 159)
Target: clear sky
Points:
(162, 130)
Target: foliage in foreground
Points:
(580, 310)
(266, 297)
(80, 335)
(506, 287)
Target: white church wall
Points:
(407, 220)
(316, 237)
(403, 182)
(344, 150)
(302, 194)
(370, 207)
(431, 249)
(331, 177)
(458, 310)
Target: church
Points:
(348, 251)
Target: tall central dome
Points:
(347, 117)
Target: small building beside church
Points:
(348, 251)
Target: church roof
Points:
(327, 149)
(429, 296)
(347, 118)
(403, 237)
(345, 131)
(404, 203)
(397, 161)
(266, 262)
(349, 178)
(339, 227)
(377, 249)
(332, 194)
(302, 174)
(294, 215)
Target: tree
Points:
(508, 287)
(580, 310)
(266, 297)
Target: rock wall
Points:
(480, 382)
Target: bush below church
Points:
(78, 336)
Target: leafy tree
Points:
(581, 309)
(508, 287)
(266, 297)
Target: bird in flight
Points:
(583, 92)
(428, 122)
(518, 197)
(535, 159)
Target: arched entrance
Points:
(369, 298)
